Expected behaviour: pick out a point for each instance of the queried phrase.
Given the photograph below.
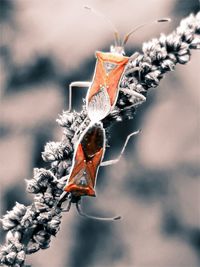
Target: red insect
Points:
(88, 155)
(103, 92)
(104, 89)
(110, 67)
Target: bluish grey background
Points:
(155, 187)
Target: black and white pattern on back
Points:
(108, 66)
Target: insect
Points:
(110, 67)
(100, 101)
(88, 156)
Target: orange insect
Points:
(103, 92)
(110, 67)
(104, 89)
(88, 156)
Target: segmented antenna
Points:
(113, 28)
(141, 26)
(94, 217)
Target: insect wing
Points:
(93, 145)
(99, 105)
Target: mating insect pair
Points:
(89, 151)
(101, 98)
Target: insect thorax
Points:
(117, 50)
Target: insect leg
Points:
(65, 196)
(81, 213)
(76, 84)
(114, 161)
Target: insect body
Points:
(110, 67)
(87, 159)
(103, 91)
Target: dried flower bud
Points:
(32, 247)
(66, 119)
(40, 207)
(13, 237)
(13, 217)
(32, 186)
(10, 258)
(44, 217)
(42, 238)
(28, 218)
(53, 151)
(195, 44)
(53, 225)
(20, 257)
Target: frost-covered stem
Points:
(30, 228)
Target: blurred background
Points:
(45, 45)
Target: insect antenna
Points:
(141, 26)
(94, 217)
(113, 28)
